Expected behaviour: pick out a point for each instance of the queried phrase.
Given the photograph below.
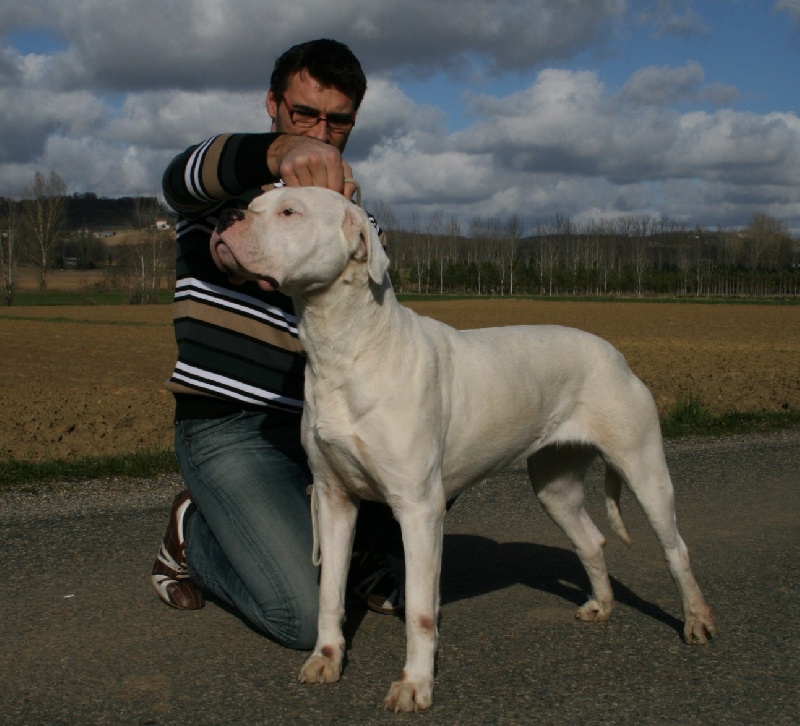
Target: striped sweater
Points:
(238, 345)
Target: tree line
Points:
(43, 227)
(628, 255)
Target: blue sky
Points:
(35, 40)
(594, 109)
(747, 46)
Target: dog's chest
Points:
(334, 424)
(327, 402)
(332, 427)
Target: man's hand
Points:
(305, 162)
(350, 187)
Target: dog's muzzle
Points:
(229, 217)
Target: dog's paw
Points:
(320, 668)
(700, 627)
(594, 612)
(410, 697)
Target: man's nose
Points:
(229, 217)
(319, 131)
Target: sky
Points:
(681, 110)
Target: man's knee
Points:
(294, 627)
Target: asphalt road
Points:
(83, 639)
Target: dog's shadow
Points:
(474, 565)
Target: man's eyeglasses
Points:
(306, 118)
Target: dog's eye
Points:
(287, 212)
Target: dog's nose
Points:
(228, 217)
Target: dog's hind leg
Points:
(557, 474)
(647, 476)
(335, 517)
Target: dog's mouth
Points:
(237, 273)
(268, 284)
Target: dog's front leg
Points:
(335, 520)
(422, 525)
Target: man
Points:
(243, 531)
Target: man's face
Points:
(305, 93)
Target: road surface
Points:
(83, 638)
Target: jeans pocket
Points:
(192, 428)
(198, 440)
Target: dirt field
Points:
(28, 279)
(88, 380)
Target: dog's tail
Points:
(613, 490)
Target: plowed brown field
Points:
(88, 380)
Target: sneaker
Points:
(170, 576)
(378, 580)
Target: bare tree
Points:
(543, 254)
(764, 235)
(44, 213)
(419, 253)
(388, 223)
(446, 247)
(641, 230)
(478, 235)
(385, 216)
(145, 259)
(10, 230)
(606, 252)
(701, 261)
(146, 255)
(143, 213)
(513, 233)
(684, 255)
(434, 230)
(494, 254)
(133, 258)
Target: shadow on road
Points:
(473, 565)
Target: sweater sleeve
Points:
(218, 169)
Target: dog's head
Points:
(298, 240)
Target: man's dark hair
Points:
(328, 61)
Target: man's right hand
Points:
(305, 162)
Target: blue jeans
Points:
(250, 541)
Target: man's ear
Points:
(272, 104)
(365, 242)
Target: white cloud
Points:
(29, 117)
(419, 175)
(669, 17)
(678, 18)
(134, 83)
(117, 169)
(791, 7)
(563, 145)
(133, 44)
(386, 114)
(664, 86)
(174, 120)
(566, 145)
(566, 121)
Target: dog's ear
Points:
(368, 247)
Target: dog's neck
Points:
(338, 323)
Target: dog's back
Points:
(537, 385)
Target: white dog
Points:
(403, 409)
